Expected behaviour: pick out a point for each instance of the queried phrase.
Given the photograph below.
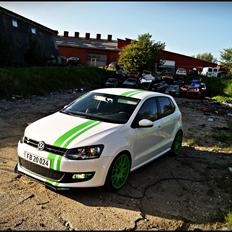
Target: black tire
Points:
(118, 172)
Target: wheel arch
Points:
(119, 153)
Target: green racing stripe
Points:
(131, 93)
(78, 134)
(67, 138)
(69, 133)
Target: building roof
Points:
(102, 44)
(189, 57)
(20, 17)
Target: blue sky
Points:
(186, 27)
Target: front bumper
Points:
(95, 170)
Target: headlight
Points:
(90, 152)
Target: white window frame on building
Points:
(14, 23)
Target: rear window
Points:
(166, 106)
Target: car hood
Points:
(69, 131)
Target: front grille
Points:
(47, 147)
(64, 177)
(42, 171)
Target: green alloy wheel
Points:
(119, 172)
(177, 143)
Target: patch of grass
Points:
(191, 142)
(28, 81)
(222, 98)
(228, 219)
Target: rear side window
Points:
(166, 106)
(148, 110)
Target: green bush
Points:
(42, 80)
(228, 219)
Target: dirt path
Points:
(192, 191)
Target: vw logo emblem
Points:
(41, 145)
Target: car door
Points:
(146, 140)
(168, 120)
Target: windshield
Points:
(103, 107)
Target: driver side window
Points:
(148, 110)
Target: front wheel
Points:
(118, 172)
(177, 143)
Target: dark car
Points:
(111, 82)
(130, 83)
(72, 60)
(173, 90)
(159, 87)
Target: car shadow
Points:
(185, 188)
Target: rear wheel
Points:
(118, 172)
(177, 143)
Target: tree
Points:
(141, 54)
(207, 56)
(226, 59)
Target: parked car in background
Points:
(112, 82)
(99, 138)
(62, 60)
(196, 89)
(72, 60)
(173, 90)
(131, 83)
(159, 87)
(121, 73)
(133, 73)
(181, 71)
(168, 78)
(213, 72)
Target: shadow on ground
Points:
(189, 187)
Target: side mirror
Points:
(145, 123)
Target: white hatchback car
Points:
(99, 138)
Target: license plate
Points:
(37, 159)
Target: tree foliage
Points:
(207, 56)
(226, 59)
(141, 54)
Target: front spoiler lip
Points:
(39, 181)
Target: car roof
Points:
(122, 91)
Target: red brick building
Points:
(92, 51)
(101, 52)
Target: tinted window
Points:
(148, 110)
(210, 70)
(166, 106)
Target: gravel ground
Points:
(191, 191)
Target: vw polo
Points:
(99, 138)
